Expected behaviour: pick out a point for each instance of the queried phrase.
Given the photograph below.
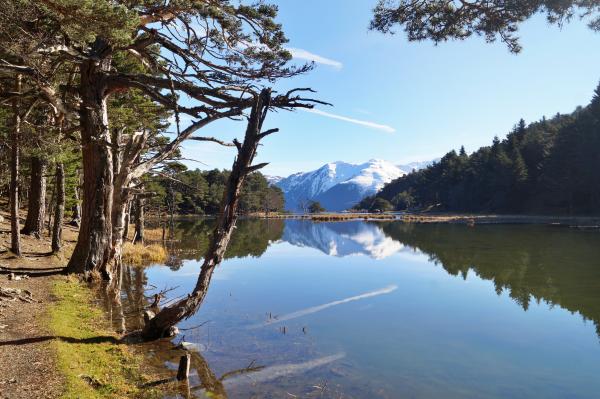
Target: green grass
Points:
(90, 357)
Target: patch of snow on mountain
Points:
(374, 175)
(273, 180)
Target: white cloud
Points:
(372, 125)
(302, 54)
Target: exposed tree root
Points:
(12, 294)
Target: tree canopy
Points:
(442, 20)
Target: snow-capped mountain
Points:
(337, 185)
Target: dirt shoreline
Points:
(61, 343)
(578, 221)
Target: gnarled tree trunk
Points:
(163, 324)
(123, 164)
(59, 209)
(120, 201)
(139, 220)
(93, 246)
(15, 237)
(34, 224)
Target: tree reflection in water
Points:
(529, 263)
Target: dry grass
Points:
(139, 255)
(336, 217)
(153, 234)
(325, 217)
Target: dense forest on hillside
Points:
(549, 166)
(200, 192)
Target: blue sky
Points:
(417, 100)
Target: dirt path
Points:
(27, 362)
(27, 366)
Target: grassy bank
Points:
(95, 364)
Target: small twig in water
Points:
(193, 328)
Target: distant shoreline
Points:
(591, 222)
(450, 218)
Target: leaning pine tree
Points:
(163, 324)
(212, 53)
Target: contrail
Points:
(315, 309)
(272, 372)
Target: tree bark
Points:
(120, 199)
(59, 210)
(139, 221)
(49, 209)
(95, 234)
(163, 324)
(171, 205)
(15, 237)
(34, 224)
(127, 221)
(76, 219)
(126, 150)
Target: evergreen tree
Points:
(548, 166)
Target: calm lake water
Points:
(387, 310)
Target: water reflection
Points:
(445, 325)
(341, 239)
(252, 237)
(318, 308)
(539, 263)
(557, 265)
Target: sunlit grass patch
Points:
(137, 254)
(92, 360)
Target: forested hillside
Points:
(550, 166)
(200, 192)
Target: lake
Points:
(386, 310)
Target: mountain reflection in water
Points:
(287, 276)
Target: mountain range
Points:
(339, 185)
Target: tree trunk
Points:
(15, 237)
(120, 200)
(95, 234)
(139, 221)
(163, 324)
(59, 210)
(127, 221)
(76, 219)
(171, 205)
(34, 224)
(118, 221)
(49, 209)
